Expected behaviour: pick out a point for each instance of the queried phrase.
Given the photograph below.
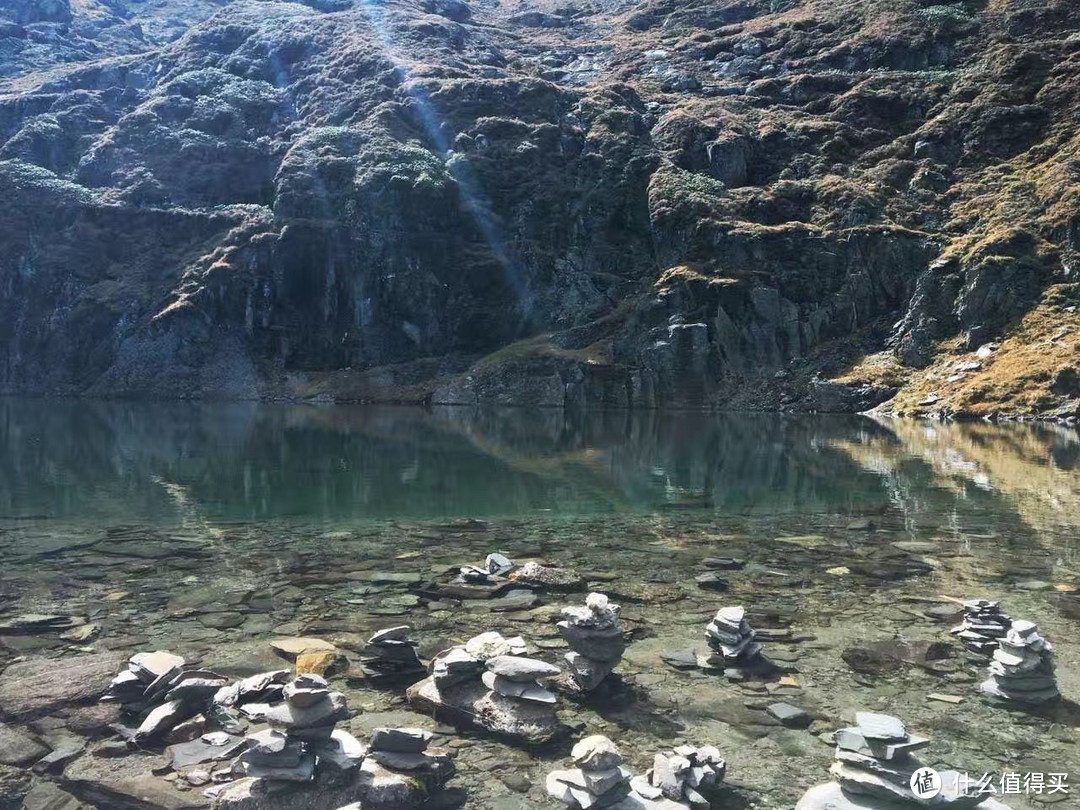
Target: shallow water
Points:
(210, 529)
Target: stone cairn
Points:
(496, 568)
(983, 625)
(488, 682)
(1022, 670)
(390, 657)
(596, 641)
(874, 763)
(686, 775)
(302, 727)
(598, 778)
(296, 743)
(731, 641)
(401, 770)
(161, 691)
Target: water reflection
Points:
(139, 462)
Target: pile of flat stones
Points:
(496, 568)
(401, 769)
(598, 778)
(1022, 670)
(687, 775)
(489, 682)
(731, 641)
(390, 657)
(518, 678)
(161, 691)
(873, 767)
(273, 754)
(302, 733)
(596, 641)
(984, 623)
(309, 712)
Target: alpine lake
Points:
(212, 529)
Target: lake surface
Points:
(87, 462)
(210, 529)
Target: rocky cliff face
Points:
(740, 203)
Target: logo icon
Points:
(926, 783)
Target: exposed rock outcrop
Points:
(716, 204)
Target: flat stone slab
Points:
(126, 783)
(880, 726)
(18, 748)
(42, 685)
(790, 716)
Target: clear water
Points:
(274, 517)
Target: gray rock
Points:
(587, 673)
(711, 582)
(329, 710)
(856, 780)
(47, 796)
(162, 719)
(790, 716)
(398, 761)
(880, 727)
(306, 691)
(40, 686)
(518, 690)
(605, 644)
(18, 748)
(517, 668)
(498, 564)
(680, 659)
(342, 750)
(567, 786)
(34, 623)
(488, 645)
(400, 740)
(455, 665)
(850, 739)
(304, 771)
(399, 633)
(196, 752)
(155, 664)
(55, 760)
(596, 753)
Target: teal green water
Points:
(118, 462)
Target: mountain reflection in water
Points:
(122, 461)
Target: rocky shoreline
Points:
(259, 719)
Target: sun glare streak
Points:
(472, 194)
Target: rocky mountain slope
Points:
(798, 204)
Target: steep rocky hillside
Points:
(799, 204)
